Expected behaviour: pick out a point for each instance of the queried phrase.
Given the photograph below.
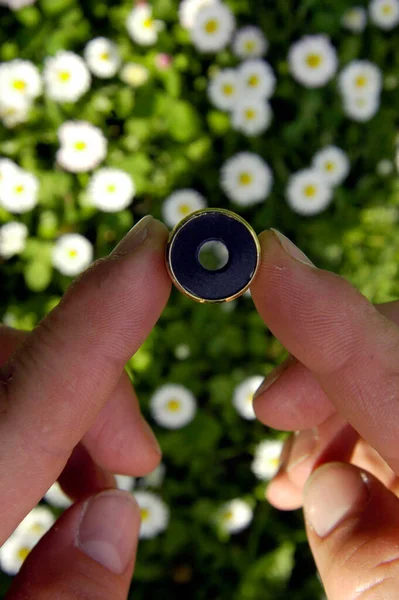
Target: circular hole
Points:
(213, 255)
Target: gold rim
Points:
(172, 237)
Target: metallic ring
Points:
(183, 250)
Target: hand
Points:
(342, 391)
(68, 411)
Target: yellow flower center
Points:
(250, 398)
(228, 515)
(111, 188)
(72, 253)
(19, 189)
(64, 76)
(145, 514)
(19, 84)
(80, 146)
(228, 89)
(184, 209)
(105, 56)
(314, 60)
(173, 405)
(37, 528)
(310, 191)
(23, 553)
(148, 23)
(250, 114)
(245, 178)
(211, 26)
(361, 81)
(275, 462)
(253, 81)
(330, 166)
(387, 9)
(250, 46)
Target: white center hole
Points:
(213, 255)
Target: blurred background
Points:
(284, 111)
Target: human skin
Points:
(67, 408)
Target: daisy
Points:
(223, 89)
(361, 108)
(141, 26)
(333, 163)
(17, 4)
(66, 77)
(384, 13)
(19, 80)
(180, 204)
(154, 514)
(256, 78)
(7, 169)
(188, 10)
(385, 167)
(14, 552)
(313, 60)
(134, 74)
(72, 254)
(36, 523)
(14, 111)
(56, 497)
(173, 406)
(18, 191)
(267, 459)
(12, 238)
(249, 42)
(251, 116)
(154, 479)
(355, 19)
(244, 394)
(234, 516)
(360, 78)
(246, 179)
(102, 57)
(111, 190)
(125, 482)
(213, 27)
(308, 192)
(83, 146)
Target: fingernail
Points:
(273, 376)
(135, 237)
(152, 440)
(332, 494)
(291, 249)
(304, 443)
(109, 528)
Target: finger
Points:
(353, 528)
(351, 349)
(334, 440)
(120, 439)
(296, 400)
(368, 459)
(89, 553)
(61, 378)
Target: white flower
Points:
(102, 57)
(7, 169)
(18, 191)
(154, 479)
(308, 192)
(360, 78)
(134, 74)
(234, 516)
(182, 351)
(250, 42)
(12, 238)
(17, 4)
(256, 78)
(66, 77)
(251, 116)
(188, 10)
(19, 79)
(83, 146)
(56, 496)
(244, 394)
(14, 552)
(355, 19)
(223, 89)
(384, 13)
(313, 60)
(246, 179)
(173, 406)
(154, 514)
(142, 28)
(72, 254)
(125, 482)
(36, 523)
(14, 111)
(333, 163)
(361, 108)
(267, 459)
(111, 190)
(213, 27)
(180, 204)
(385, 167)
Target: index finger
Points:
(351, 349)
(61, 377)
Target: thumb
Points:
(89, 553)
(353, 528)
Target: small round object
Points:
(183, 255)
